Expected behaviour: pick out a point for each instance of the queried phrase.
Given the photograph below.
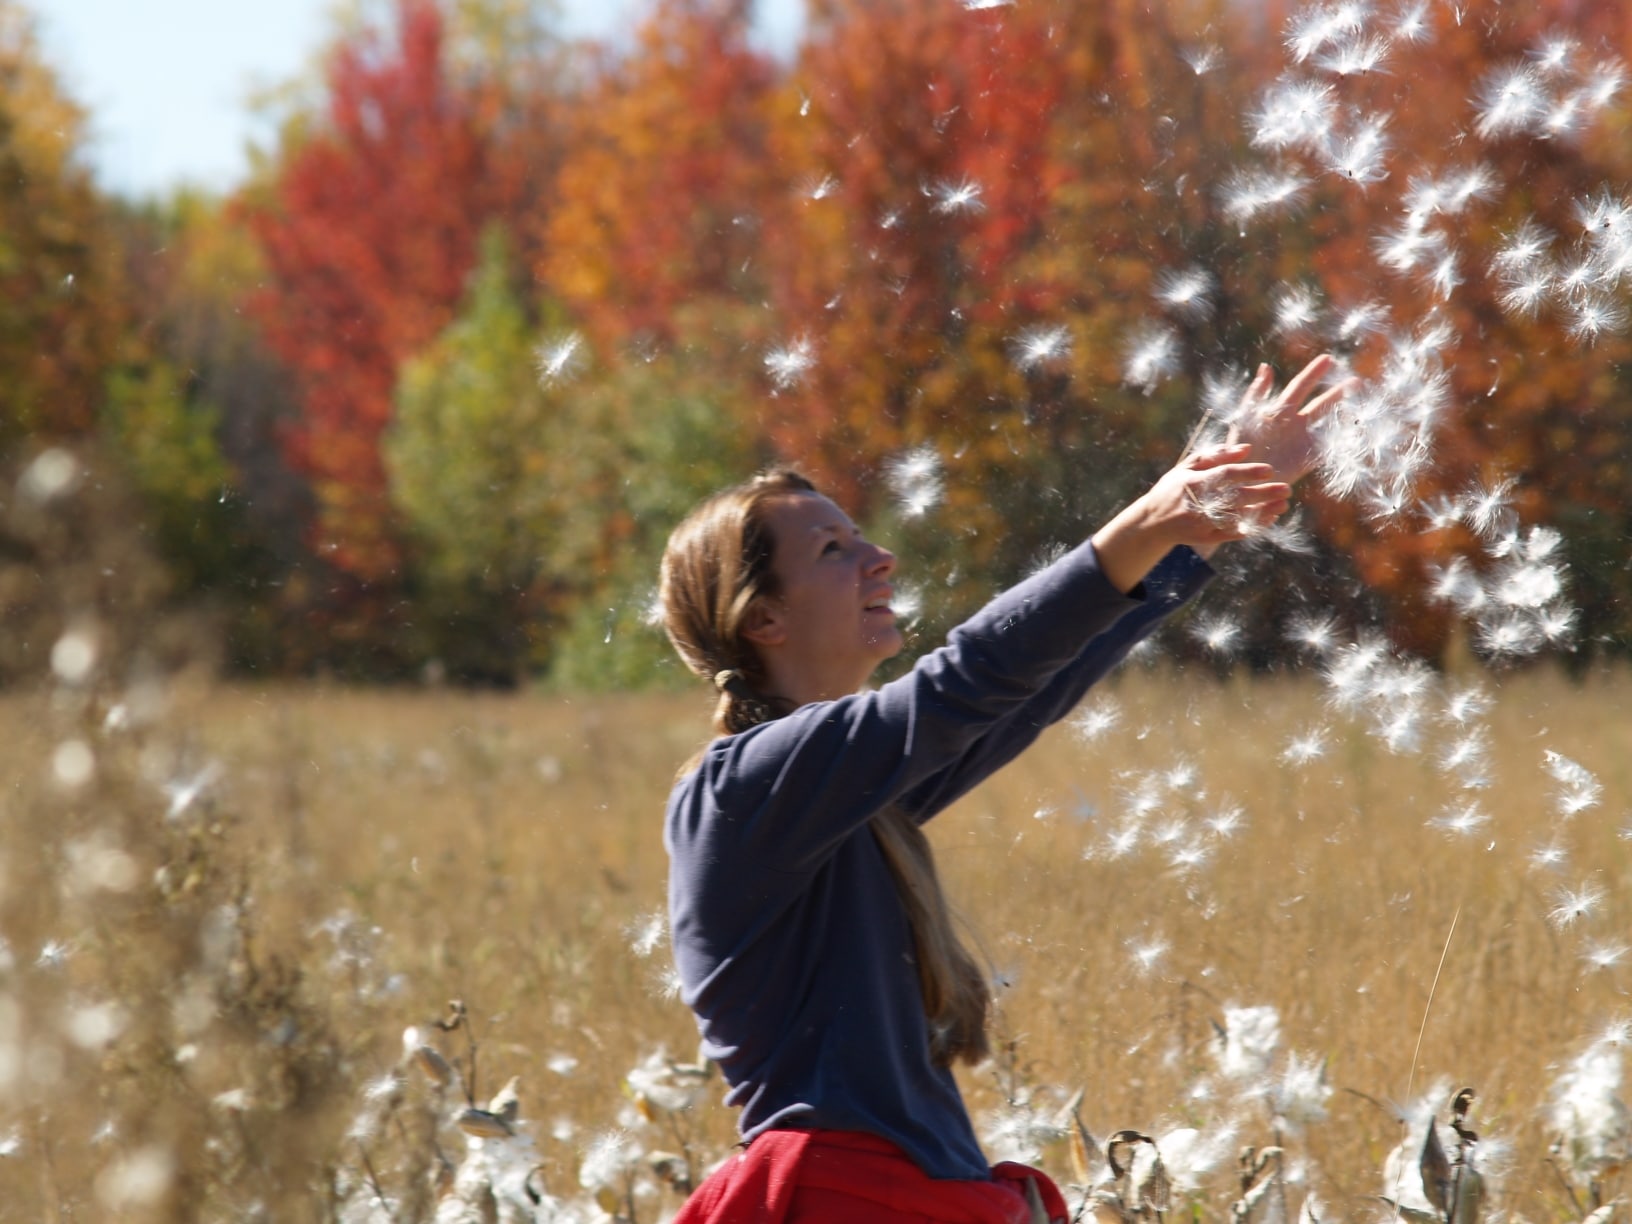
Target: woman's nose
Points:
(882, 562)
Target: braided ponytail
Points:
(740, 706)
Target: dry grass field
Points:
(223, 908)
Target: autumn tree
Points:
(192, 409)
(660, 198)
(62, 307)
(650, 439)
(369, 228)
(474, 458)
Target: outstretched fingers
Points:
(1243, 474)
(1263, 383)
(1270, 493)
(1235, 497)
(1322, 403)
(1217, 456)
(1252, 508)
(1305, 379)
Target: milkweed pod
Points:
(1105, 1207)
(1259, 1197)
(1155, 1187)
(1416, 1215)
(1462, 1102)
(606, 1199)
(1119, 1150)
(1435, 1168)
(505, 1103)
(1468, 1196)
(534, 1186)
(1264, 1159)
(483, 1125)
(1036, 1213)
(430, 1061)
(1085, 1154)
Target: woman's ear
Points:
(762, 624)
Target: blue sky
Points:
(168, 82)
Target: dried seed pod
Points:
(1119, 1149)
(505, 1104)
(1155, 1187)
(534, 1186)
(1105, 1207)
(455, 1017)
(1469, 1196)
(1435, 1168)
(1037, 1213)
(1245, 1207)
(430, 1061)
(483, 1125)
(1246, 1165)
(1459, 1116)
(1414, 1215)
(1462, 1102)
(1085, 1153)
(1262, 1191)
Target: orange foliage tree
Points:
(658, 202)
(62, 297)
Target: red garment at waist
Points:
(847, 1177)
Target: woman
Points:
(810, 931)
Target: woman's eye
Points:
(831, 546)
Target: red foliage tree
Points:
(369, 230)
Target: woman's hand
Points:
(1209, 498)
(1280, 427)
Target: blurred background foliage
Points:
(425, 396)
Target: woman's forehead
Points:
(807, 514)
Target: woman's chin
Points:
(885, 641)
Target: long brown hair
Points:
(717, 566)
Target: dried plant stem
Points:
(374, 1182)
(1427, 1010)
(470, 1040)
(1411, 1079)
(1568, 1188)
(1366, 1096)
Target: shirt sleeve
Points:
(784, 794)
(1173, 583)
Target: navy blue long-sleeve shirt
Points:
(791, 940)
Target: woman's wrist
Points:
(1130, 545)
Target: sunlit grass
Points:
(401, 849)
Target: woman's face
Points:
(831, 625)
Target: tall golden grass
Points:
(225, 977)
